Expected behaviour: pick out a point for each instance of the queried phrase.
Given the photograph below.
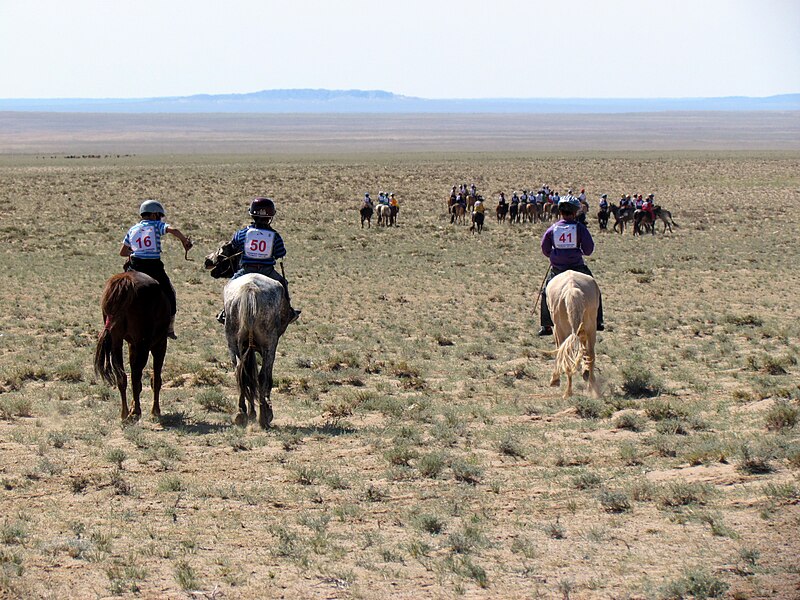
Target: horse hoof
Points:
(266, 418)
(555, 382)
(240, 420)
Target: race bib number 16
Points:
(258, 243)
(565, 236)
(144, 239)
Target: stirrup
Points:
(545, 330)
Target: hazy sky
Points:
(427, 48)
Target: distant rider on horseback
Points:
(260, 245)
(565, 243)
(142, 248)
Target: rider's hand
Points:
(187, 245)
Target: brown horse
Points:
(366, 215)
(135, 310)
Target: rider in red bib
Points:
(565, 243)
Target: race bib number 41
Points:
(258, 243)
(565, 236)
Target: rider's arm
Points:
(125, 251)
(187, 243)
(547, 242)
(586, 241)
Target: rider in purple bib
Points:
(565, 243)
(260, 246)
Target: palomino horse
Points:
(366, 215)
(458, 214)
(573, 299)
(257, 314)
(384, 214)
(135, 310)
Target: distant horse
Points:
(573, 299)
(384, 214)
(621, 216)
(530, 212)
(135, 310)
(501, 211)
(643, 218)
(458, 214)
(477, 222)
(257, 314)
(602, 218)
(471, 201)
(366, 215)
(513, 213)
(393, 214)
(666, 218)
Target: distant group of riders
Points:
(542, 205)
(387, 208)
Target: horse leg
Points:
(159, 352)
(568, 391)
(241, 416)
(122, 379)
(555, 379)
(265, 390)
(138, 360)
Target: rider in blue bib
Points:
(142, 248)
(260, 246)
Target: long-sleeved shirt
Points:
(566, 242)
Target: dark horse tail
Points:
(247, 368)
(117, 297)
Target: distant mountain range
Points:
(376, 101)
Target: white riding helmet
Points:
(152, 206)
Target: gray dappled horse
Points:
(257, 314)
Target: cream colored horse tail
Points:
(569, 353)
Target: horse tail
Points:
(117, 298)
(569, 352)
(103, 365)
(247, 367)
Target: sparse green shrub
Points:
(15, 407)
(591, 408)
(186, 576)
(171, 483)
(401, 455)
(672, 427)
(116, 456)
(13, 532)
(555, 530)
(213, 400)
(524, 545)
(586, 480)
(429, 523)
(755, 459)
(661, 410)
(467, 539)
(639, 382)
(683, 493)
(629, 454)
(466, 472)
(614, 501)
(431, 465)
(694, 583)
(782, 416)
(71, 372)
(510, 445)
(631, 421)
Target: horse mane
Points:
(118, 295)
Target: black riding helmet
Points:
(262, 208)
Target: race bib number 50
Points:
(258, 243)
(565, 236)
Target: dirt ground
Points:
(417, 449)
